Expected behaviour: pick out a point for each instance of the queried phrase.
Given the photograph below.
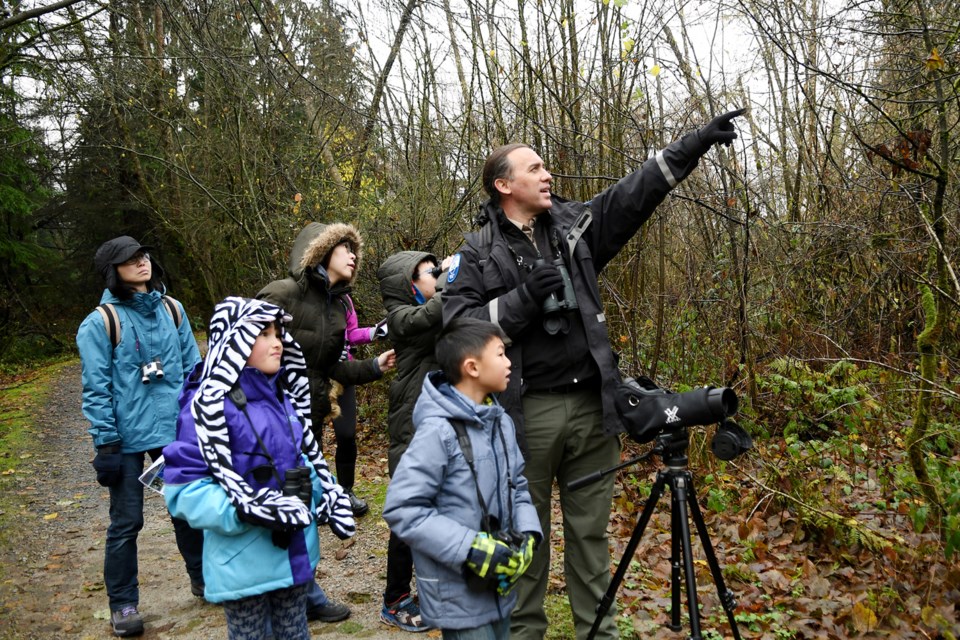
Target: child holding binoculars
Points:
(247, 470)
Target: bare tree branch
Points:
(14, 20)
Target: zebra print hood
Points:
(234, 328)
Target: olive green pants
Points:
(565, 436)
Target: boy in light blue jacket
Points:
(458, 496)
(247, 470)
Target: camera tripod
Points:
(672, 449)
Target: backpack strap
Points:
(111, 319)
(460, 426)
(579, 228)
(173, 309)
(486, 241)
(482, 241)
(465, 446)
(111, 322)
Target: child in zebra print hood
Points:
(243, 437)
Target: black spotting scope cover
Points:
(647, 410)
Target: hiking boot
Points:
(358, 505)
(330, 612)
(404, 613)
(126, 622)
(197, 587)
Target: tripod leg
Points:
(607, 600)
(676, 560)
(727, 598)
(679, 483)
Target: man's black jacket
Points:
(484, 280)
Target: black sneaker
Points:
(330, 612)
(197, 587)
(358, 505)
(126, 622)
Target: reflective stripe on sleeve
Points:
(662, 163)
(493, 308)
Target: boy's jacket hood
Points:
(439, 399)
(396, 275)
(317, 240)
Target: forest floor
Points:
(889, 582)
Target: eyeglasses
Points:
(435, 272)
(136, 259)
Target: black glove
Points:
(107, 465)
(281, 539)
(543, 280)
(720, 129)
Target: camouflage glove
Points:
(525, 554)
(494, 561)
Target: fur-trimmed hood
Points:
(317, 240)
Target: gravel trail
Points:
(51, 582)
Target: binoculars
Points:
(554, 320)
(154, 367)
(297, 483)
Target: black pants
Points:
(399, 569)
(345, 430)
(120, 568)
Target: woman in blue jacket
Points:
(247, 470)
(131, 378)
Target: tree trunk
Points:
(378, 90)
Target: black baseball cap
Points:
(116, 251)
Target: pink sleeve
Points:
(355, 334)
